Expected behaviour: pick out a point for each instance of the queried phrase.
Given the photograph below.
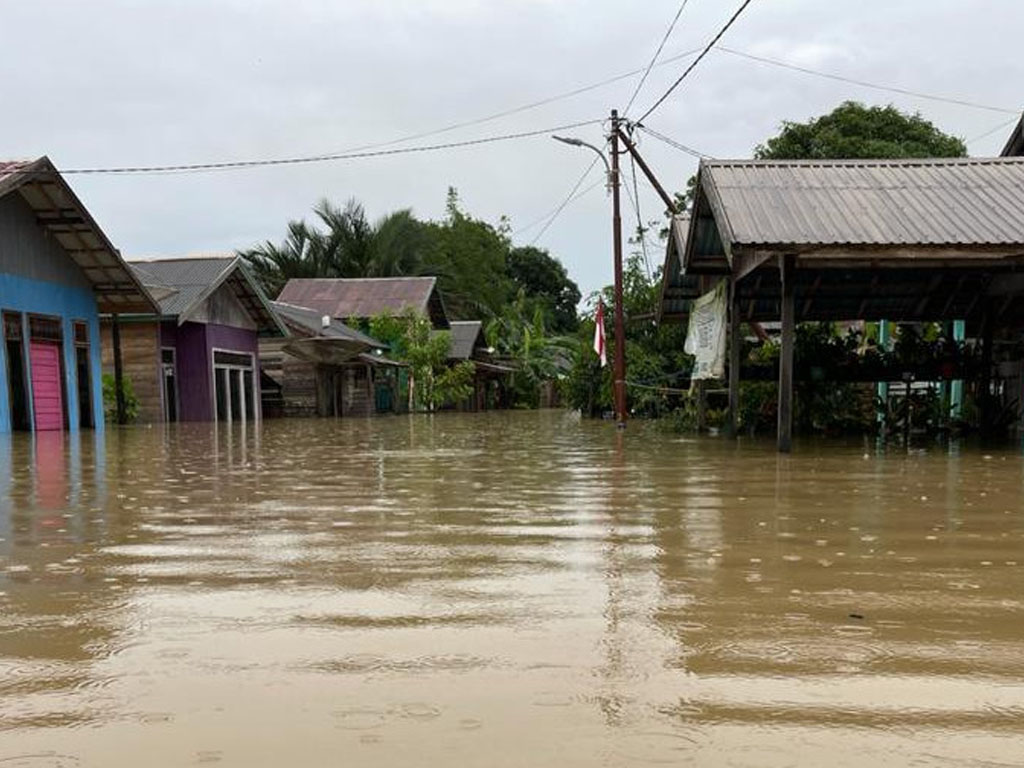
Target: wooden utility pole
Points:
(620, 325)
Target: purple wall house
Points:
(212, 316)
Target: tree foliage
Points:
(543, 278)
(855, 131)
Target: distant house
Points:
(365, 298)
(325, 368)
(58, 271)
(196, 359)
(490, 377)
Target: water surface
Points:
(517, 589)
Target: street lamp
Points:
(620, 329)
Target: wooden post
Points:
(735, 358)
(785, 429)
(702, 405)
(115, 335)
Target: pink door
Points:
(47, 403)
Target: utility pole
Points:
(620, 325)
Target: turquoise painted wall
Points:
(70, 303)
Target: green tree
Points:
(855, 131)
(344, 244)
(432, 381)
(469, 262)
(547, 285)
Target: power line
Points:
(864, 83)
(241, 164)
(568, 199)
(697, 61)
(582, 193)
(654, 58)
(673, 143)
(990, 131)
(640, 231)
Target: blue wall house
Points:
(58, 272)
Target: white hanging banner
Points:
(705, 336)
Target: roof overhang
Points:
(63, 217)
(246, 289)
(324, 350)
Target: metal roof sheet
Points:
(59, 211)
(310, 322)
(464, 335)
(366, 297)
(181, 284)
(943, 202)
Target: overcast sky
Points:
(112, 83)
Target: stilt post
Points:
(787, 267)
(735, 358)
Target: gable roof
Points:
(309, 322)
(60, 213)
(466, 336)
(367, 297)
(183, 284)
(677, 288)
(1015, 144)
(961, 204)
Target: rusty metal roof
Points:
(367, 297)
(182, 284)
(59, 211)
(961, 202)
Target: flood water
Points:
(517, 589)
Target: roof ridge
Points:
(874, 161)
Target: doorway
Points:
(83, 375)
(235, 395)
(169, 380)
(46, 373)
(17, 382)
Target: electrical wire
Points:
(990, 131)
(240, 164)
(549, 214)
(695, 62)
(654, 58)
(640, 230)
(568, 199)
(673, 143)
(864, 83)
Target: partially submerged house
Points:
(371, 383)
(833, 240)
(367, 297)
(197, 357)
(58, 272)
(490, 377)
(325, 368)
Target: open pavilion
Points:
(845, 240)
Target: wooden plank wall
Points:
(140, 356)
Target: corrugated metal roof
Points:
(464, 335)
(181, 284)
(943, 202)
(311, 322)
(366, 297)
(184, 280)
(66, 219)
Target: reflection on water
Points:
(504, 589)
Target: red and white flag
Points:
(599, 334)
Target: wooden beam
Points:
(785, 428)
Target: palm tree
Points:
(347, 246)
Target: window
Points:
(44, 328)
(81, 333)
(17, 381)
(83, 373)
(234, 386)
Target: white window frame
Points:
(240, 370)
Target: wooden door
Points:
(47, 400)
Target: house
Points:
(490, 377)
(58, 272)
(909, 240)
(367, 297)
(196, 358)
(325, 368)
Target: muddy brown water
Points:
(519, 589)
